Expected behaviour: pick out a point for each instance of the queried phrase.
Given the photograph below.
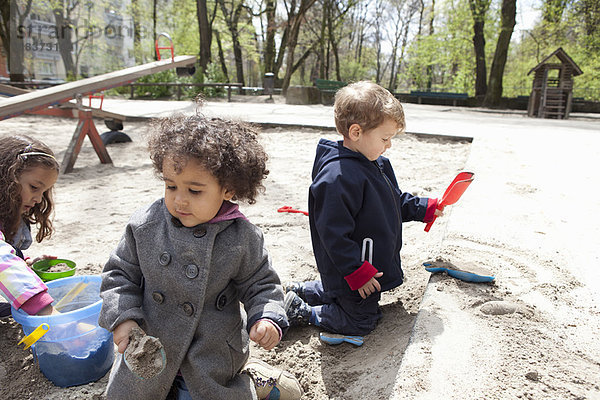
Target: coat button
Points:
(164, 259)
(158, 297)
(191, 271)
(188, 309)
(199, 232)
(221, 302)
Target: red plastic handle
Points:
(429, 224)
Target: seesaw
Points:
(52, 96)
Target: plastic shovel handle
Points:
(429, 224)
(35, 335)
(71, 294)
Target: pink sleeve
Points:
(431, 206)
(37, 303)
(17, 281)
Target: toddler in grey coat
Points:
(187, 261)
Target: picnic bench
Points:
(328, 86)
(327, 89)
(438, 95)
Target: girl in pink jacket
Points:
(28, 171)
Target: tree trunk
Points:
(64, 30)
(431, 31)
(222, 56)
(5, 25)
(205, 31)
(478, 10)
(335, 51)
(270, 9)
(12, 19)
(293, 41)
(232, 19)
(154, 34)
(137, 33)
(323, 71)
(507, 24)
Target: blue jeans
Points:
(182, 390)
(351, 315)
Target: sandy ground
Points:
(94, 203)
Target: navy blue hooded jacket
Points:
(352, 199)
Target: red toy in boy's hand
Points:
(453, 193)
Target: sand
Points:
(94, 203)
(144, 354)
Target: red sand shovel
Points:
(453, 193)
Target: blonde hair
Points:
(366, 104)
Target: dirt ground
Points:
(94, 203)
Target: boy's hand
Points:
(438, 212)
(121, 334)
(264, 334)
(370, 287)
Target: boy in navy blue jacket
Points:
(356, 211)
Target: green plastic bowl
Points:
(42, 266)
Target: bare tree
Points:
(232, 19)
(296, 16)
(379, 31)
(405, 11)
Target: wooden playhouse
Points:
(552, 91)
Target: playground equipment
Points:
(61, 94)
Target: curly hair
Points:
(366, 104)
(18, 154)
(228, 149)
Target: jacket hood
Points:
(328, 151)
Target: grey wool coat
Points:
(184, 286)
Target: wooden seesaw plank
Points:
(13, 106)
(67, 109)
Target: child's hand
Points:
(264, 334)
(121, 334)
(370, 287)
(438, 212)
(31, 261)
(48, 310)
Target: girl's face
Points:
(194, 196)
(34, 182)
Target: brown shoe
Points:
(273, 383)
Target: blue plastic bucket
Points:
(75, 350)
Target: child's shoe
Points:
(296, 287)
(297, 311)
(5, 310)
(272, 383)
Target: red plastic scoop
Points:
(454, 191)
